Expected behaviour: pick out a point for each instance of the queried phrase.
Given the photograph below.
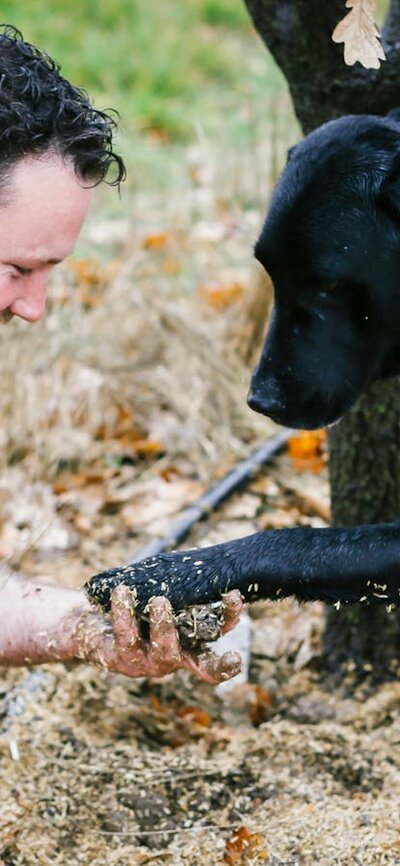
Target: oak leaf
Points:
(360, 35)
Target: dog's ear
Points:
(394, 114)
(291, 152)
(388, 197)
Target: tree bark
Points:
(365, 471)
(364, 447)
(298, 35)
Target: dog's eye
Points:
(330, 287)
(323, 289)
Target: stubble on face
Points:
(5, 317)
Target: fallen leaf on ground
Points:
(171, 724)
(245, 847)
(156, 240)
(306, 449)
(156, 500)
(220, 296)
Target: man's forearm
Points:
(38, 621)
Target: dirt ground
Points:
(283, 770)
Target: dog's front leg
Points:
(352, 564)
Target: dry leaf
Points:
(152, 504)
(173, 725)
(306, 449)
(195, 716)
(360, 35)
(92, 279)
(249, 701)
(220, 296)
(156, 240)
(260, 706)
(279, 518)
(245, 847)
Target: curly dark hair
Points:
(41, 111)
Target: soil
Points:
(284, 769)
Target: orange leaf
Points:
(156, 241)
(195, 716)
(307, 449)
(243, 847)
(169, 473)
(124, 416)
(260, 705)
(148, 447)
(77, 480)
(179, 725)
(220, 296)
(86, 271)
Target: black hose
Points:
(202, 507)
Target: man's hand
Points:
(42, 623)
(116, 643)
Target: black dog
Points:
(331, 243)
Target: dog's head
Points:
(331, 244)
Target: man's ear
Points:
(388, 196)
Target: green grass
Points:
(177, 73)
(165, 66)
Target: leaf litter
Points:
(281, 770)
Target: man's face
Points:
(41, 215)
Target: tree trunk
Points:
(364, 447)
(365, 471)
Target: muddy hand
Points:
(119, 646)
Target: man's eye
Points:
(24, 272)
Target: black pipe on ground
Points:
(202, 507)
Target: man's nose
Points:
(31, 304)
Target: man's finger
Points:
(123, 619)
(214, 669)
(164, 639)
(232, 605)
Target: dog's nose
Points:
(266, 405)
